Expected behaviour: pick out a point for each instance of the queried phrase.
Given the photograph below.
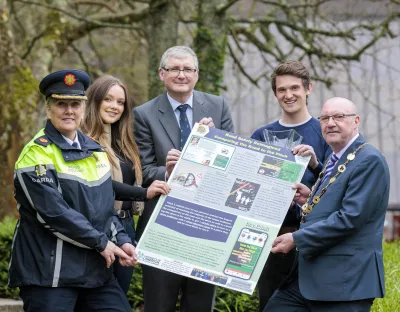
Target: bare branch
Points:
(254, 40)
(355, 56)
(81, 57)
(235, 39)
(13, 12)
(94, 2)
(269, 20)
(242, 70)
(295, 6)
(101, 64)
(112, 21)
(221, 9)
(32, 44)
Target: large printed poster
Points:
(229, 196)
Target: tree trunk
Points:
(210, 46)
(17, 92)
(162, 34)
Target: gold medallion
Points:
(316, 199)
(342, 168)
(351, 156)
(306, 208)
(331, 180)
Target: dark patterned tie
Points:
(329, 167)
(184, 124)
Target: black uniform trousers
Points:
(108, 297)
(289, 299)
(275, 271)
(162, 288)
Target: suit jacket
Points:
(340, 243)
(157, 132)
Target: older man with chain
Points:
(339, 243)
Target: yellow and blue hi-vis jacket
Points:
(65, 201)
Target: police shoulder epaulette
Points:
(43, 140)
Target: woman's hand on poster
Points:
(157, 188)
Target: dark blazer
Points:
(340, 243)
(157, 132)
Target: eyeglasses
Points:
(177, 71)
(336, 118)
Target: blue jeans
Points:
(124, 274)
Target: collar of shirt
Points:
(175, 103)
(69, 141)
(338, 155)
(293, 125)
(189, 111)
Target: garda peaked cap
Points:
(67, 84)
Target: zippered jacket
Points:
(65, 201)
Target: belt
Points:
(124, 214)
(287, 229)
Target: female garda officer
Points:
(67, 235)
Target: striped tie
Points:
(184, 124)
(329, 167)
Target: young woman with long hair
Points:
(108, 120)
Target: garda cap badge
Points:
(40, 170)
(69, 79)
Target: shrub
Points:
(7, 227)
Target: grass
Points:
(391, 258)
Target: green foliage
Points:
(7, 227)
(135, 292)
(18, 92)
(211, 53)
(233, 301)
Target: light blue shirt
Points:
(338, 155)
(189, 111)
(69, 141)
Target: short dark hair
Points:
(292, 68)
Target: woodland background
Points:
(351, 47)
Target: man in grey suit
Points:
(161, 128)
(339, 243)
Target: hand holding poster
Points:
(229, 196)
